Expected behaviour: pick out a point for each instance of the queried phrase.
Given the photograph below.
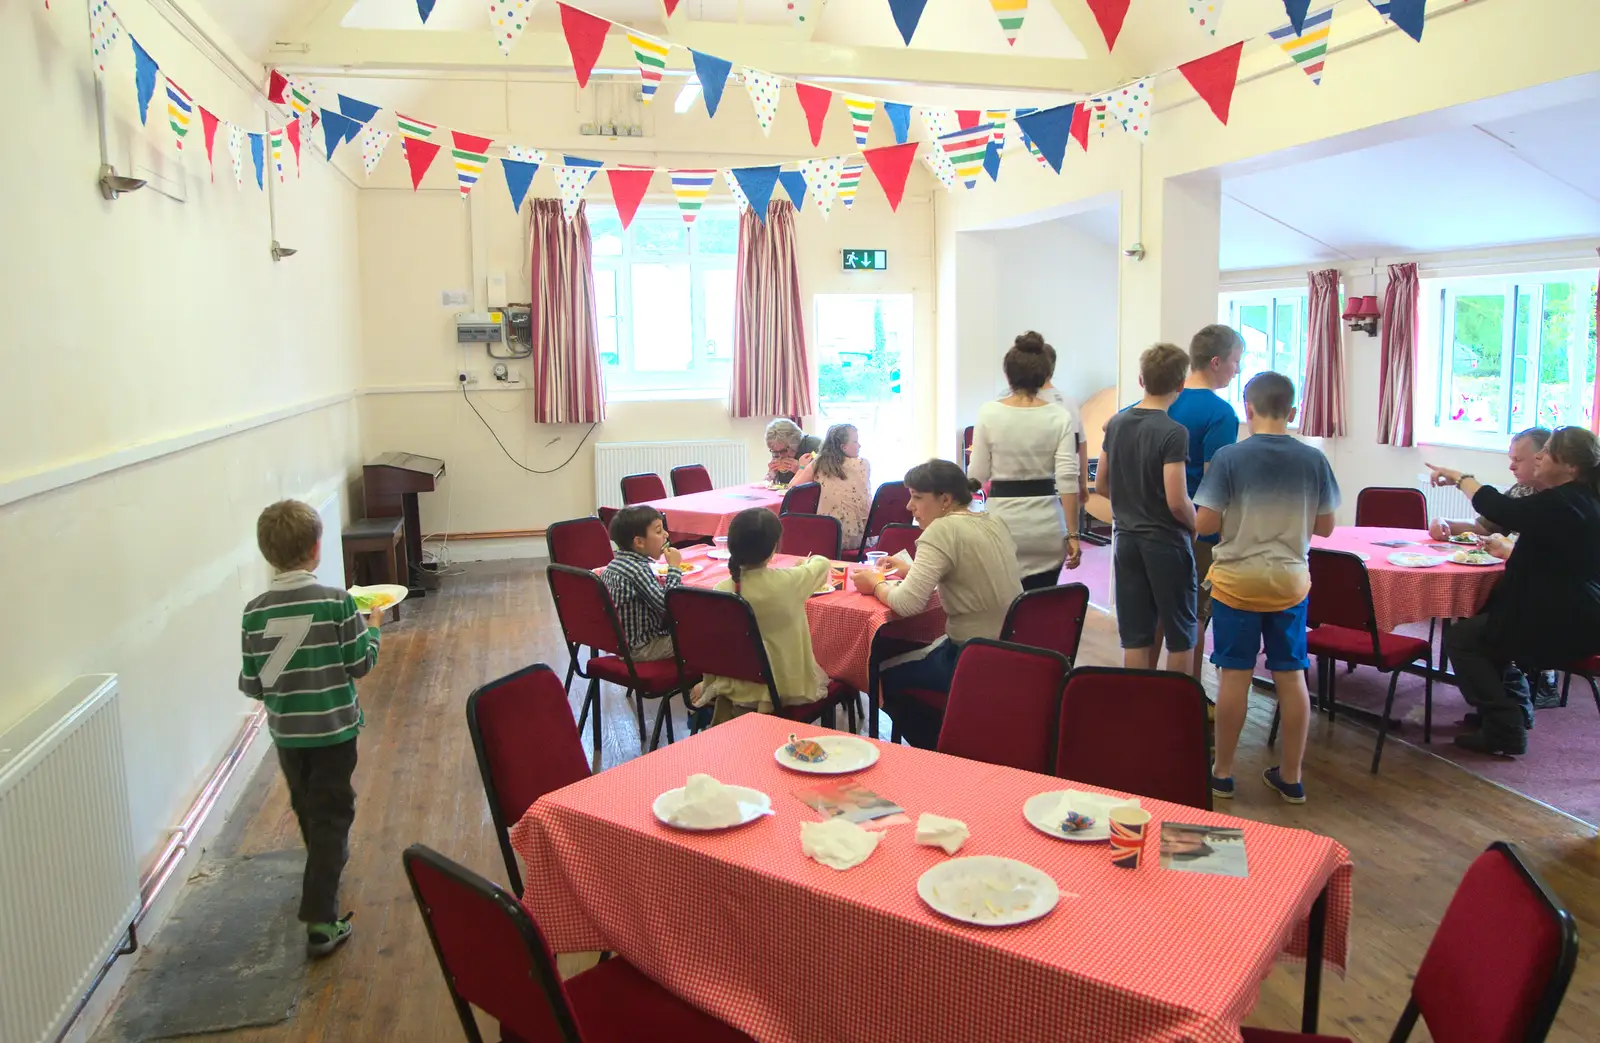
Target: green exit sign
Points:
(866, 260)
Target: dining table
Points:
(1407, 594)
(741, 923)
(710, 513)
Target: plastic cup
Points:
(721, 544)
(875, 560)
(1129, 829)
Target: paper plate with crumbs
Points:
(988, 891)
(379, 595)
(827, 754)
(1413, 560)
(1073, 814)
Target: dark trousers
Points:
(324, 802)
(916, 721)
(1040, 580)
(1482, 676)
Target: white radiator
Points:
(728, 462)
(69, 879)
(1446, 501)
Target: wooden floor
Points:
(1412, 830)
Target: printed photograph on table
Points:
(849, 799)
(1203, 849)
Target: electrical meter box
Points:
(480, 327)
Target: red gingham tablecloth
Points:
(1407, 595)
(743, 925)
(708, 513)
(843, 623)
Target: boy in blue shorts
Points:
(1266, 495)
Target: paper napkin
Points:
(707, 804)
(938, 831)
(1096, 805)
(837, 842)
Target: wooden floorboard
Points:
(1412, 830)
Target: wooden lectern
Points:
(389, 487)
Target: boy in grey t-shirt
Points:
(1152, 517)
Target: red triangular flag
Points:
(1213, 77)
(277, 83)
(966, 119)
(419, 157)
(586, 36)
(815, 101)
(891, 165)
(1080, 124)
(1109, 14)
(293, 130)
(628, 186)
(672, 6)
(208, 127)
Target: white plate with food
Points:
(752, 804)
(827, 754)
(988, 891)
(1412, 560)
(1049, 813)
(1473, 557)
(688, 568)
(1468, 539)
(379, 595)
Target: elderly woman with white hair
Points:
(791, 449)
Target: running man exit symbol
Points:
(866, 260)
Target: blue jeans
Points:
(918, 722)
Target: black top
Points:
(1545, 612)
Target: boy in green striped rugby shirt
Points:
(304, 645)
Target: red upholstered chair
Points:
(1391, 507)
(588, 617)
(1051, 617)
(804, 498)
(897, 537)
(583, 543)
(1588, 669)
(715, 632)
(606, 514)
(1138, 731)
(690, 478)
(1498, 965)
(527, 745)
(495, 958)
(1345, 629)
(1003, 705)
(805, 534)
(890, 504)
(642, 488)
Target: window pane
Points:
(1253, 322)
(719, 313)
(605, 306)
(1523, 348)
(662, 332)
(717, 234)
(660, 235)
(1289, 339)
(1567, 347)
(606, 232)
(1473, 389)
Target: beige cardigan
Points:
(778, 598)
(972, 561)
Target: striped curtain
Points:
(1322, 395)
(567, 385)
(771, 373)
(1397, 356)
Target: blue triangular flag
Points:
(794, 183)
(1049, 129)
(519, 176)
(144, 77)
(258, 156)
(991, 160)
(900, 120)
(579, 161)
(1296, 10)
(757, 184)
(425, 8)
(1409, 16)
(907, 13)
(360, 111)
(337, 128)
(712, 72)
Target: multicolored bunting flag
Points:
(763, 88)
(691, 187)
(1309, 47)
(1207, 13)
(236, 150)
(757, 183)
(414, 143)
(628, 186)
(907, 13)
(144, 77)
(208, 133)
(471, 154)
(1010, 13)
(276, 140)
(507, 19)
(258, 158)
(1131, 107)
(737, 192)
(519, 154)
(586, 37)
(105, 29)
(937, 123)
(849, 182)
(822, 180)
(800, 10)
(519, 175)
(1408, 15)
(1099, 115)
(966, 149)
(794, 186)
(899, 120)
(180, 108)
(300, 98)
(572, 177)
(939, 164)
(891, 165)
(815, 101)
(997, 119)
(1214, 77)
(712, 73)
(861, 111)
(373, 141)
(651, 55)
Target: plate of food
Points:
(988, 891)
(1413, 560)
(827, 754)
(1073, 815)
(380, 595)
(1473, 557)
(688, 568)
(1468, 539)
(833, 581)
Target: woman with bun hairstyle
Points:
(1027, 449)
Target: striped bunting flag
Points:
(997, 121)
(1011, 14)
(966, 149)
(861, 112)
(691, 187)
(471, 154)
(1308, 48)
(414, 144)
(299, 98)
(849, 182)
(652, 57)
(180, 108)
(276, 140)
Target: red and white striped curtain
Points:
(1322, 395)
(771, 372)
(1398, 356)
(567, 384)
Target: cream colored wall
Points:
(156, 334)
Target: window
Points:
(864, 375)
(1273, 324)
(664, 298)
(1505, 353)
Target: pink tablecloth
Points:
(1407, 595)
(708, 513)
(843, 624)
(743, 925)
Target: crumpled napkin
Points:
(707, 804)
(938, 831)
(838, 843)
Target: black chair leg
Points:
(1383, 722)
(1595, 688)
(594, 698)
(583, 710)
(1427, 704)
(1566, 685)
(638, 715)
(1333, 689)
(655, 735)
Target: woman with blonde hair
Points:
(845, 479)
(791, 449)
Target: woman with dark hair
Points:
(1545, 611)
(1027, 449)
(971, 560)
(845, 479)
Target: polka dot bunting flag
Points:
(373, 141)
(822, 180)
(763, 88)
(1131, 106)
(738, 193)
(236, 150)
(1207, 13)
(507, 19)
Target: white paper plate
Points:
(1413, 560)
(393, 591)
(718, 555)
(845, 755)
(753, 804)
(1477, 564)
(953, 888)
(1040, 811)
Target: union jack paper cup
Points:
(1129, 827)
